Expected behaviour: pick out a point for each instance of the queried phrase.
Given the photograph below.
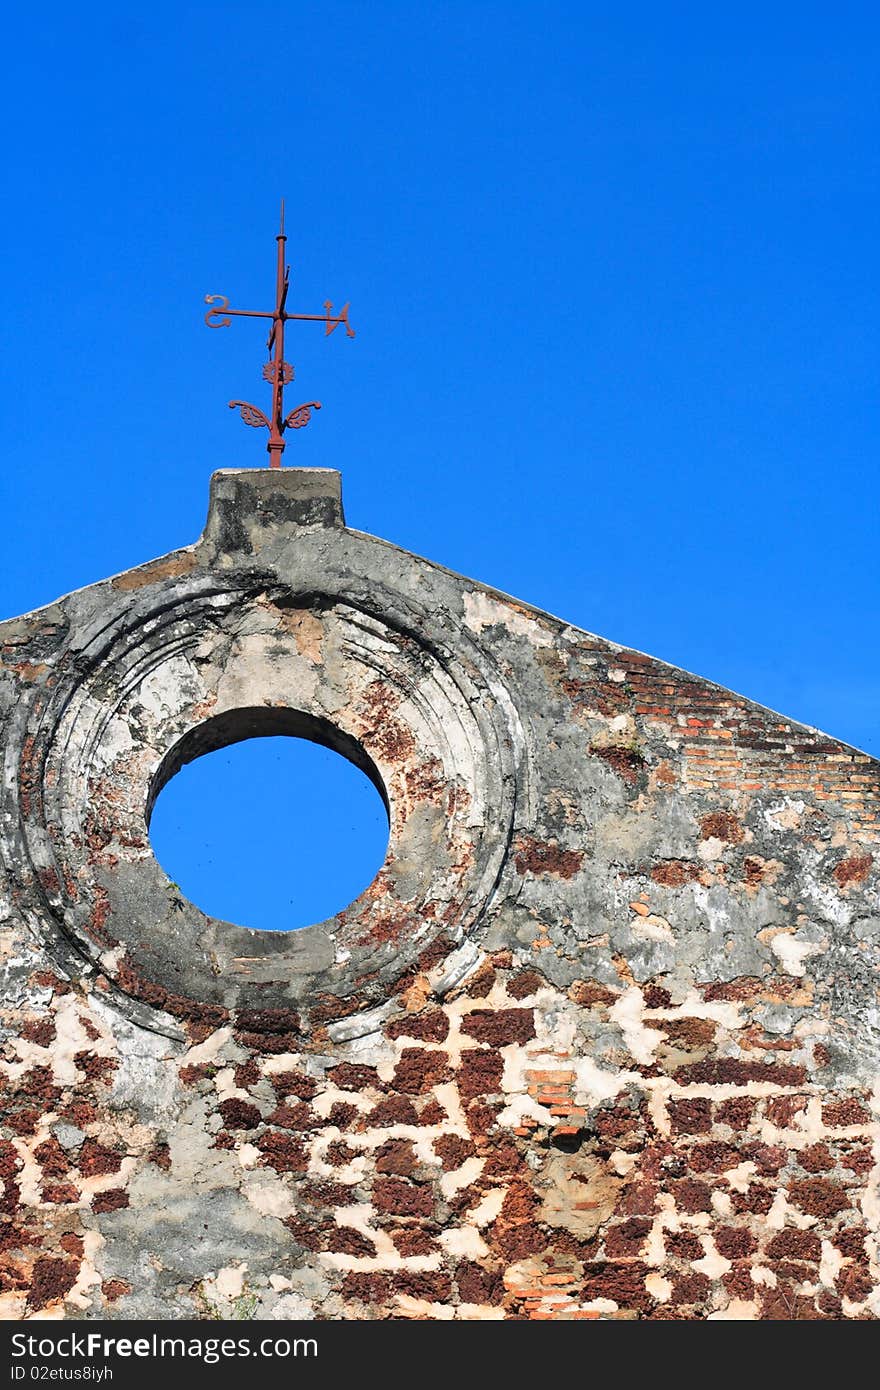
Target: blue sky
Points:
(613, 271)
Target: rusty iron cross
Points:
(276, 370)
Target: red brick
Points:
(239, 1114)
(113, 1199)
(479, 1073)
(96, 1159)
(682, 1245)
(714, 1157)
(396, 1156)
(419, 1069)
(283, 1153)
(500, 1027)
(816, 1159)
(736, 1112)
(624, 1282)
(626, 1239)
(452, 1150)
(721, 825)
(692, 1196)
(791, 1244)
(690, 1288)
(818, 1196)
(731, 1071)
(399, 1198)
(526, 983)
(51, 1280)
(432, 1025)
(842, 1113)
(734, 1242)
(476, 1284)
(692, 1116)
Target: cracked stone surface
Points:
(599, 1041)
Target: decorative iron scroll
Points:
(251, 414)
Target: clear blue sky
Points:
(613, 271)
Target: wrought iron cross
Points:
(276, 370)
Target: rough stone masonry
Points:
(599, 1041)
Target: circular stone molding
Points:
(186, 669)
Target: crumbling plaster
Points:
(600, 1040)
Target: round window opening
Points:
(269, 819)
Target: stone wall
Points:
(600, 1040)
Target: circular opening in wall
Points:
(269, 819)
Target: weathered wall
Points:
(600, 1040)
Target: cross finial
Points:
(276, 371)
